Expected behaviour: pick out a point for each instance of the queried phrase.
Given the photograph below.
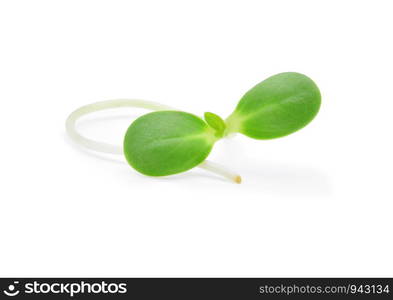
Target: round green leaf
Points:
(167, 142)
(278, 106)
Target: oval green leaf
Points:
(216, 123)
(278, 106)
(167, 142)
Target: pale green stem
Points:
(220, 170)
(115, 149)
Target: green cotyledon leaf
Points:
(278, 106)
(167, 142)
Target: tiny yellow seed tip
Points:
(238, 179)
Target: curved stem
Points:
(115, 149)
(97, 106)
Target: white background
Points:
(315, 203)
